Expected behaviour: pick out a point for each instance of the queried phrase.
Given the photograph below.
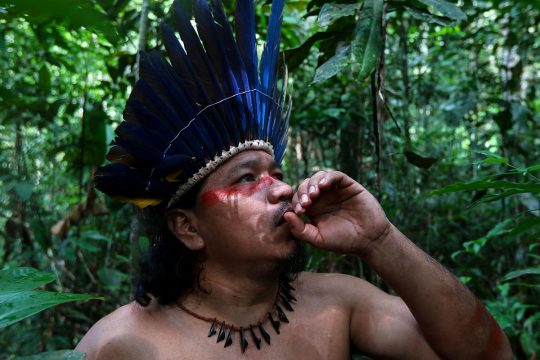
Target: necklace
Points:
(283, 297)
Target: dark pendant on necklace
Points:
(254, 337)
(286, 303)
(281, 314)
(243, 342)
(212, 329)
(288, 295)
(228, 342)
(264, 334)
(275, 323)
(288, 286)
(221, 334)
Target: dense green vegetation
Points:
(433, 107)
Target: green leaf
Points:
(22, 279)
(446, 8)
(55, 355)
(16, 306)
(367, 44)
(18, 299)
(494, 160)
(333, 66)
(331, 12)
(518, 273)
(533, 168)
(419, 161)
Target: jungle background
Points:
(434, 106)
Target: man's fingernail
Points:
(312, 189)
(298, 208)
(323, 181)
(305, 199)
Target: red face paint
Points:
(214, 196)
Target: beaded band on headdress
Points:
(210, 100)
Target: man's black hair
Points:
(169, 269)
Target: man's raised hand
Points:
(344, 216)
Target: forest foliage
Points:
(434, 106)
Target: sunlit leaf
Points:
(427, 17)
(331, 12)
(333, 66)
(446, 8)
(367, 44)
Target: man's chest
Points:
(321, 334)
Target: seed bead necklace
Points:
(283, 297)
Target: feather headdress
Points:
(209, 101)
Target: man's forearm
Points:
(453, 321)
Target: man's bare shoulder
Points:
(122, 334)
(340, 288)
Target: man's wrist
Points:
(379, 242)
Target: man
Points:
(219, 283)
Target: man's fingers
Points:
(301, 230)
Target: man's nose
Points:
(279, 191)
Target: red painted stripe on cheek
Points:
(215, 196)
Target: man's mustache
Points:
(283, 208)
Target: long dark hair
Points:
(170, 269)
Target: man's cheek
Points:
(232, 193)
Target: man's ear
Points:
(183, 225)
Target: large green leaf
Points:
(446, 8)
(22, 279)
(18, 300)
(331, 12)
(367, 44)
(333, 66)
(16, 306)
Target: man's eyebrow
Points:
(250, 164)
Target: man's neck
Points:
(239, 296)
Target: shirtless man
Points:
(215, 286)
(434, 317)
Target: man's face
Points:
(240, 211)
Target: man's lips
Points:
(278, 216)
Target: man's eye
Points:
(246, 178)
